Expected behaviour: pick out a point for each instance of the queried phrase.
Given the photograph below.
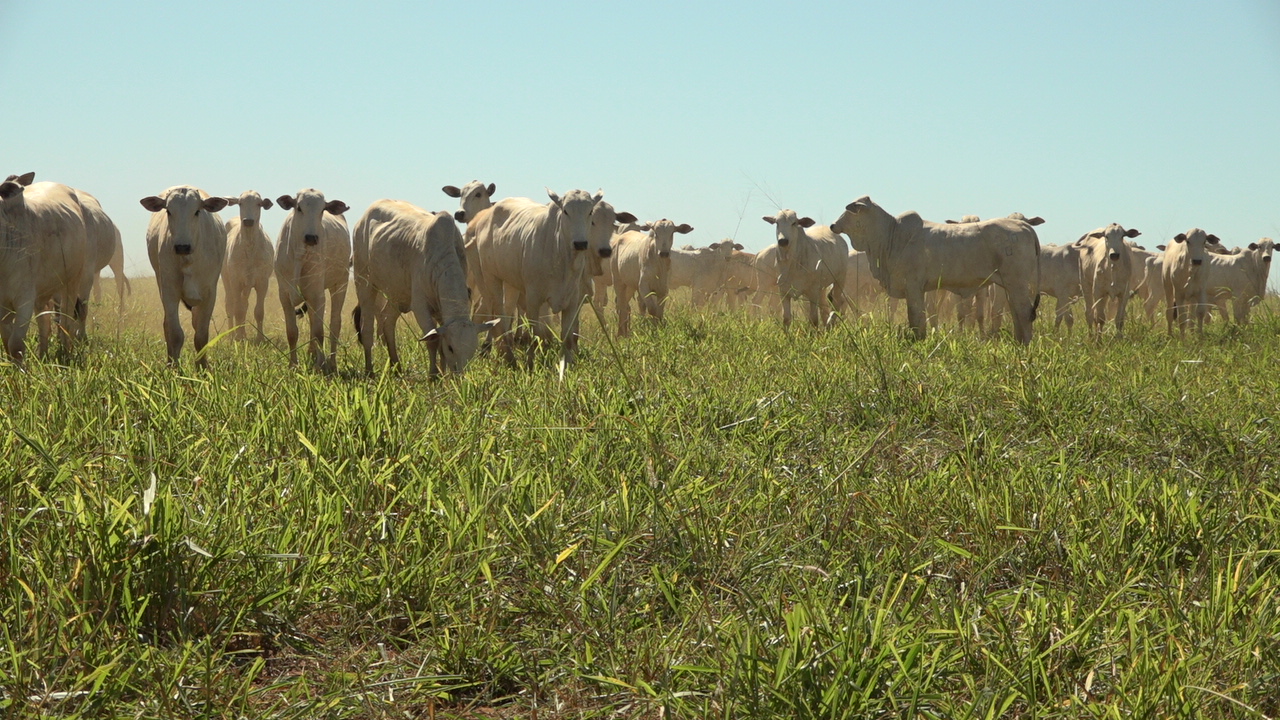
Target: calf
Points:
(313, 255)
(810, 261)
(249, 262)
(1183, 276)
(641, 266)
(1240, 278)
(1106, 272)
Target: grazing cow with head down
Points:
(811, 262)
(910, 256)
(641, 267)
(702, 270)
(1183, 270)
(410, 260)
(313, 255)
(1106, 273)
(250, 261)
(42, 260)
(187, 244)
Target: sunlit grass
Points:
(709, 519)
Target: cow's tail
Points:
(1035, 296)
(355, 319)
(127, 287)
(300, 310)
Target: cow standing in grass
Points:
(249, 264)
(641, 267)
(910, 256)
(1106, 272)
(187, 244)
(1183, 276)
(811, 263)
(313, 255)
(409, 260)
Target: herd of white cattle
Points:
(519, 258)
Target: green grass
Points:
(716, 520)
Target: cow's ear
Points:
(1253, 246)
(214, 204)
(597, 197)
(554, 198)
(492, 189)
(738, 246)
(232, 200)
(1213, 240)
(1037, 220)
(855, 207)
(805, 222)
(432, 338)
(286, 202)
(1132, 233)
(684, 228)
(266, 203)
(452, 191)
(9, 188)
(336, 207)
(26, 179)
(152, 203)
(1160, 247)
(646, 227)
(1180, 237)
(625, 217)
(953, 222)
(770, 219)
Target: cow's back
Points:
(250, 256)
(57, 227)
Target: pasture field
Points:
(710, 519)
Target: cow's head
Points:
(574, 221)
(724, 249)
(788, 227)
(1194, 241)
(604, 223)
(1113, 238)
(663, 233)
(182, 206)
(1266, 246)
(456, 341)
(251, 205)
(856, 222)
(473, 197)
(1037, 220)
(306, 211)
(12, 186)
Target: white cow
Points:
(474, 198)
(702, 270)
(811, 261)
(535, 256)
(250, 262)
(910, 256)
(1060, 279)
(42, 259)
(1183, 274)
(1106, 273)
(409, 260)
(641, 267)
(102, 237)
(187, 244)
(313, 254)
(1240, 278)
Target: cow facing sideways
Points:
(910, 256)
(249, 264)
(702, 270)
(1183, 276)
(187, 244)
(1106, 273)
(641, 267)
(42, 260)
(409, 260)
(811, 261)
(102, 237)
(1240, 278)
(313, 255)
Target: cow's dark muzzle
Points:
(783, 242)
(664, 253)
(311, 239)
(1197, 261)
(250, 222)
(1115, 256)
(182, 249)
(579, 246)
(608, 251)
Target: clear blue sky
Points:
(1159, 115)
